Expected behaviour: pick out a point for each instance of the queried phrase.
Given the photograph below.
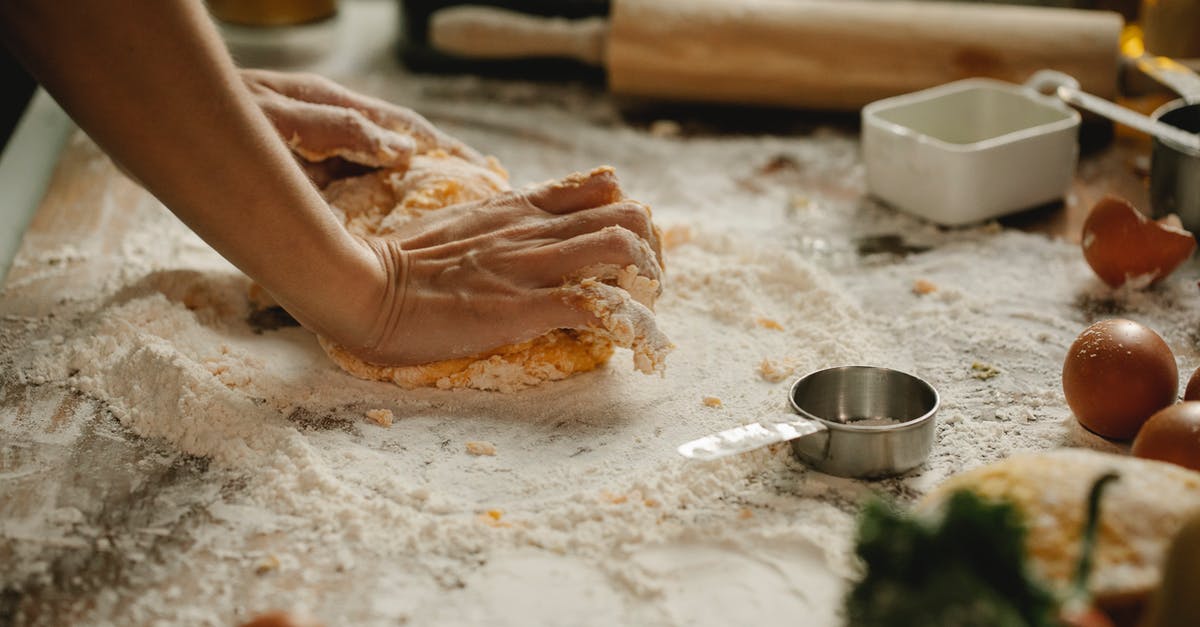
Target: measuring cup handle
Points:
(773, 429)
(1173, 74)
(1047, 82)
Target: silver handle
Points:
(1173, 74)
(1129, 118)
(749, 437)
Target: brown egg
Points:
(1192, 391)
(1118, 373)
(1172, 435)
(280, 619)
(1122, 245)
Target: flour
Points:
(165, 461)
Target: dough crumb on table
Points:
(922, 287)
(381, 417)
(481, 448)
(776, 370)
(711, 401)
(768, 323)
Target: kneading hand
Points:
(333, 128)
(472, 277)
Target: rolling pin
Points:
(821, 54)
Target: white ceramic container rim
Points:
(1071, 117)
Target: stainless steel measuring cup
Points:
(1175, 127)
(1175, 168)
(855, 421)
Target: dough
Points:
(379, 202)
(1139, 514)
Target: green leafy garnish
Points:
(966, 569)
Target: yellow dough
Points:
(1139, 515)
(380, 202)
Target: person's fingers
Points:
(577, 192)
(628, 214)
(556, 308)
(317, 89)
(613, 247)
(318, 132)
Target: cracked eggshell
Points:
(1124, 246)
(1116, 375)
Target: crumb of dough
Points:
(983, 371)
(768, 323)
(479, 448)
(746, 513)
(711, 401)
(492, 518)
(266, 565)
(381, 417)
(776, 370)
(921, 287)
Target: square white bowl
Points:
(970, 150)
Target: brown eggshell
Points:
(1122, 245)
(1192, 391)
(1116, 374)
(1172, 435)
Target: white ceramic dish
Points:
(970, 150)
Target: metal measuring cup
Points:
(1174, 166)
(855, 421)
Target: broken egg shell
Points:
(1172, 435)
(1116, 375)
(1123, 246)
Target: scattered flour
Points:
(162, 460)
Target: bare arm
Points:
(151, 82)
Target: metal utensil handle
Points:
(1127, 117)
(748, 438)
(1173, 74)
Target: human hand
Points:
(469, 278)
(333, 129)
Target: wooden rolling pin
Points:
(825, 54)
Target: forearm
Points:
(151, 82)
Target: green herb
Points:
(966, 569)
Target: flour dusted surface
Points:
(165, 460)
